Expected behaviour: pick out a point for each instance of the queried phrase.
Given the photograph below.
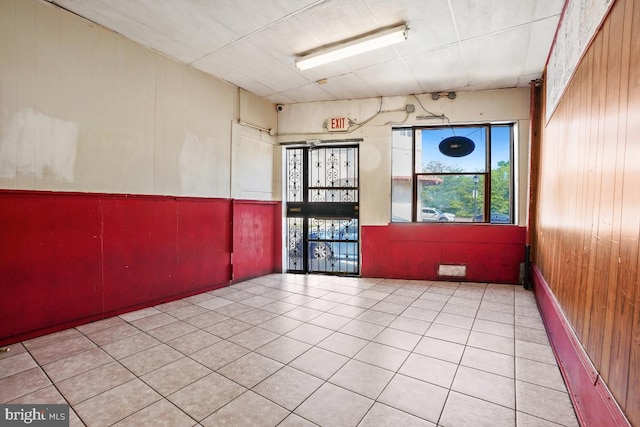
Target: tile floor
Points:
(291, 350)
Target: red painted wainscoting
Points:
(491, 253)
(71, 258)
(594, 404)
(257, 240)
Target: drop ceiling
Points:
(452, 45)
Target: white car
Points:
(433, 214)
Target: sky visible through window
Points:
(474, 162)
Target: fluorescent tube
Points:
(353, 47)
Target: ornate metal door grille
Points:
(322, 210)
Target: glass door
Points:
(323, 234)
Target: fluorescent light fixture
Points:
(354, 47)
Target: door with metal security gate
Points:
(322, 228)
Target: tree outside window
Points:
(429, 185)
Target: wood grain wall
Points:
(587, 237)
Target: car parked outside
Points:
(433, 214)
(496, 218)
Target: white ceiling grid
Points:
(452, 44)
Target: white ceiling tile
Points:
(390, 78)
(477, 17)
(347, 86)
(547, 8)
(496, 57)
(253, 44)
(439, 70)
(542, 33)
(309, 93)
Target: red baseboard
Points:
(592, 400)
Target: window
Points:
(453, 174)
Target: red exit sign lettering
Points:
(338, 124)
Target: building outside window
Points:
(453, 174)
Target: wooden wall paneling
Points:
(632, 405)
(582, 151)
(591, 145)
(611, 208)
(626, 367)
(592, 309)
(589, 228)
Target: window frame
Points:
(416, 204)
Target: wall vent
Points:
(448, 270)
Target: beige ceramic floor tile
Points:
(88, 384)
(139, 314)
(253, 338)
(21, 384)
(429, 369)
(19, 362)
(283, 349)
(161, 413)
(60, 350)
(131, 345)
(294, 420)
(492, 342)
(114, 333)
(151, 359)
(399, 339)
(362, 378)
(228, 328)
(381, 415)
(360, 329)
(319, 362)
(47, 340)
(416, 397)
(445, 350)
(100, 325)
(466, 411)
(448, 333)
(381, 355)
(190, 343)
(539, 373)
(484, 385)
(153, 321)
(288, 387)
(346, 345)
(490, 361)
(310, 334)
(410, 325)
(219, 354)
(49, 394)
(77, 364)
(331, 405)
(545, 403)
(116, 404)
(250, 369)
(250, 409)
(174, 376)
(171, 331)
(206, 395)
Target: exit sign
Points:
(338, 124)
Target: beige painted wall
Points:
(302, 122)
(84, 109)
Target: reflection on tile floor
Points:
(292, 350)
